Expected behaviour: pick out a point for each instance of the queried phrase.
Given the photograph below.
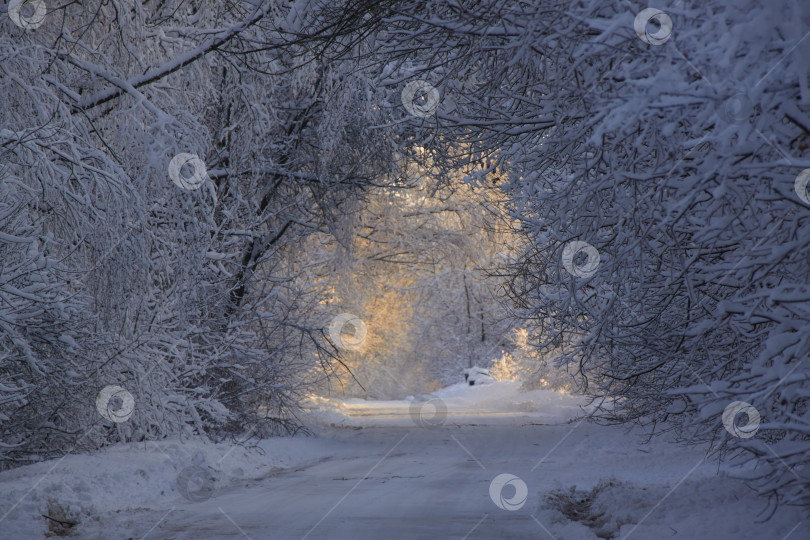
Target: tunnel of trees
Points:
(191, 190)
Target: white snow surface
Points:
(374, 471)
(501, 401)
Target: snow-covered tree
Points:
(161, 164)
(414, 264)
(655, 159)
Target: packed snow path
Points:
(378, 472)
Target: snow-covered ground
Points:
(455, 404)
(418, 468)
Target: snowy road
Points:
(377, 472)
(384, 481)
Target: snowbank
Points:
(137, 476)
